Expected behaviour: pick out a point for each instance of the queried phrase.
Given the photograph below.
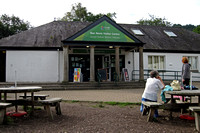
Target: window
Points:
(137, 32)
(193, 60)
(170, 33)
(156, 62)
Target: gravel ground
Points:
(85, 117)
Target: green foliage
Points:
(75, 101)
(197, 29)
(154, 21)
(12, 25)
(163, 22)
(122, 103)
(79, 13)
(187, 26)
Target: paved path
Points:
(123, 95)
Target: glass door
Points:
(106, 65)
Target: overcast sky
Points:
(39, 12)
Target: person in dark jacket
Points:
(185, 71)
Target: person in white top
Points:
(153, 85)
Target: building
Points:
(49, 53)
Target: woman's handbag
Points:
(176, 85)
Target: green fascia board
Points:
(103, 30)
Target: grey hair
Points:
(154, 73)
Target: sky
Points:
(39, 12)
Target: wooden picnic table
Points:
(183, 93)
(16, 90)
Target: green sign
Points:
(104, 32)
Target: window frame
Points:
(190, 62)
(137, 32)
(170, 33)
(159, 62)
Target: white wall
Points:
(129, 57)
(173, 61)
(43, 66)
(34, 66)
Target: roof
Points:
(157, 40)
(48, 35)
(51, 35)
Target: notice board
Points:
(103, 74)
(77, 74)
(125, 74)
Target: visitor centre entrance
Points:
(98, 50)
(106, 62)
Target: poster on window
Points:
(77, 74)
(125, 74)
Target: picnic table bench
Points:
(196, 110)
(51, 102)
(150, 107)
(36, 96)
(3, 107)
(47, 103)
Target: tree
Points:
(154, 21)
(177, 25)
(197, 29)
(12, 25)
(79, 13)
(187, 26)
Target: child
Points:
(153, 84)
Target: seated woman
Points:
(153, 85)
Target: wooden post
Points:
(117, 67)
(66, 63)
(92, 73)
(141, 68)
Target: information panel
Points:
(77, 74)
(125, 74)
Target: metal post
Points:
(15, 78)
(191, 81)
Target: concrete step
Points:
(81, 86)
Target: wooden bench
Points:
(196, 110)
(3, 107)
(151, 106)
(36, 96)
(51, 102)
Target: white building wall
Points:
(129, 63)
(173, 61)
(34, 66)
(47, 66)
